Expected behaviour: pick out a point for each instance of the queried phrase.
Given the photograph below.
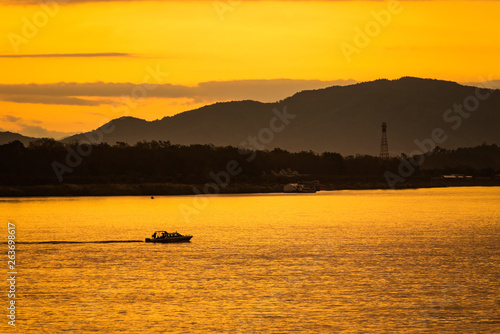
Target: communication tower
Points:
(384, 147)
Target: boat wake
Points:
(74, 242)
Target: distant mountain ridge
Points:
(7, 137)
(343, 119)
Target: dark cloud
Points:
(62, 2)
(69, 55)
(91, 89)
(57, 100)
(67, 93)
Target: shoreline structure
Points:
(171, 189)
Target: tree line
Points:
(47, 161)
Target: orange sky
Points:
(88, 59)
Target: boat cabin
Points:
(164, 234)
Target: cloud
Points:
(56, 100)
(69, 55)
(491, 84)
(71, 93)
(261, 90)
(27, 128)
(39, 132)
(11, 119)
(36, 2)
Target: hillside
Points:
(7, 137)
(344, 119)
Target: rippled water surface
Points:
(408, 261)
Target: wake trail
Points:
(74, 242)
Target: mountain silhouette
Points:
(343, 119)
(7, 137)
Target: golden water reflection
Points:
(333, 262)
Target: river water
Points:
(407, 261)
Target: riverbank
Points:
(165, 189)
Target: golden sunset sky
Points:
(70, 66)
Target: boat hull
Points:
(170, 240)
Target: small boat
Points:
(302, 187)
(165, 237)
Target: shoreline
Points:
(171, 189)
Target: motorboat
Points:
(166, 237)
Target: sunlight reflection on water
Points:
(344, 262)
